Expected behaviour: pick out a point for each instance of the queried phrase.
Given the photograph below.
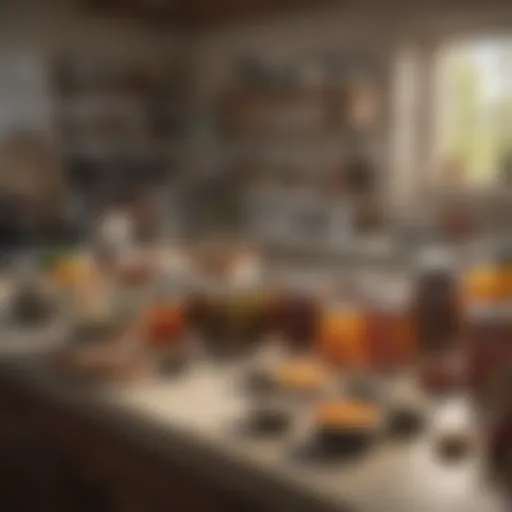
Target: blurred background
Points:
(368, 115)
(304, 198)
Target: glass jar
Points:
(391, 342)
(489, 277)
(296, 313)
(164, 319)
(230, 320)
(342, 336)
(488, 335)
(435, 301)
(164, 323)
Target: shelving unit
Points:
(307, 139)
(122, 123)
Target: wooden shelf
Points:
(127, 111)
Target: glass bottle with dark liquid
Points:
(435, 303)
(295, 317)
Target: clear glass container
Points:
(296, 311)
(341, 334)
(391, 341)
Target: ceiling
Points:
(202, 13)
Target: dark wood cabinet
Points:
(54, 459)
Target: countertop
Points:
(191, 421)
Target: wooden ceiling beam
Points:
(201, 13)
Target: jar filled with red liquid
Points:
(164, 323)
(488, 338)
(295, 314)
(488, 334)
(389, 328)
(164, 320)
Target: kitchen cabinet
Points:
(53, 458)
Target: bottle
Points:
(435, 301)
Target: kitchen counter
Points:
(189, 422)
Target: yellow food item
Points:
(487, 284)
(302, 375)
(349, 414)
(70, 273)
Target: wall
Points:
(286, 38)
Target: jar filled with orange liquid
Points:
(341, 328)
(488, 280)
(342, 335)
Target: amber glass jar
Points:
(342, 336)
(295, 315)
(164, 323)
(390, 333)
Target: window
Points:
(476, 112)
